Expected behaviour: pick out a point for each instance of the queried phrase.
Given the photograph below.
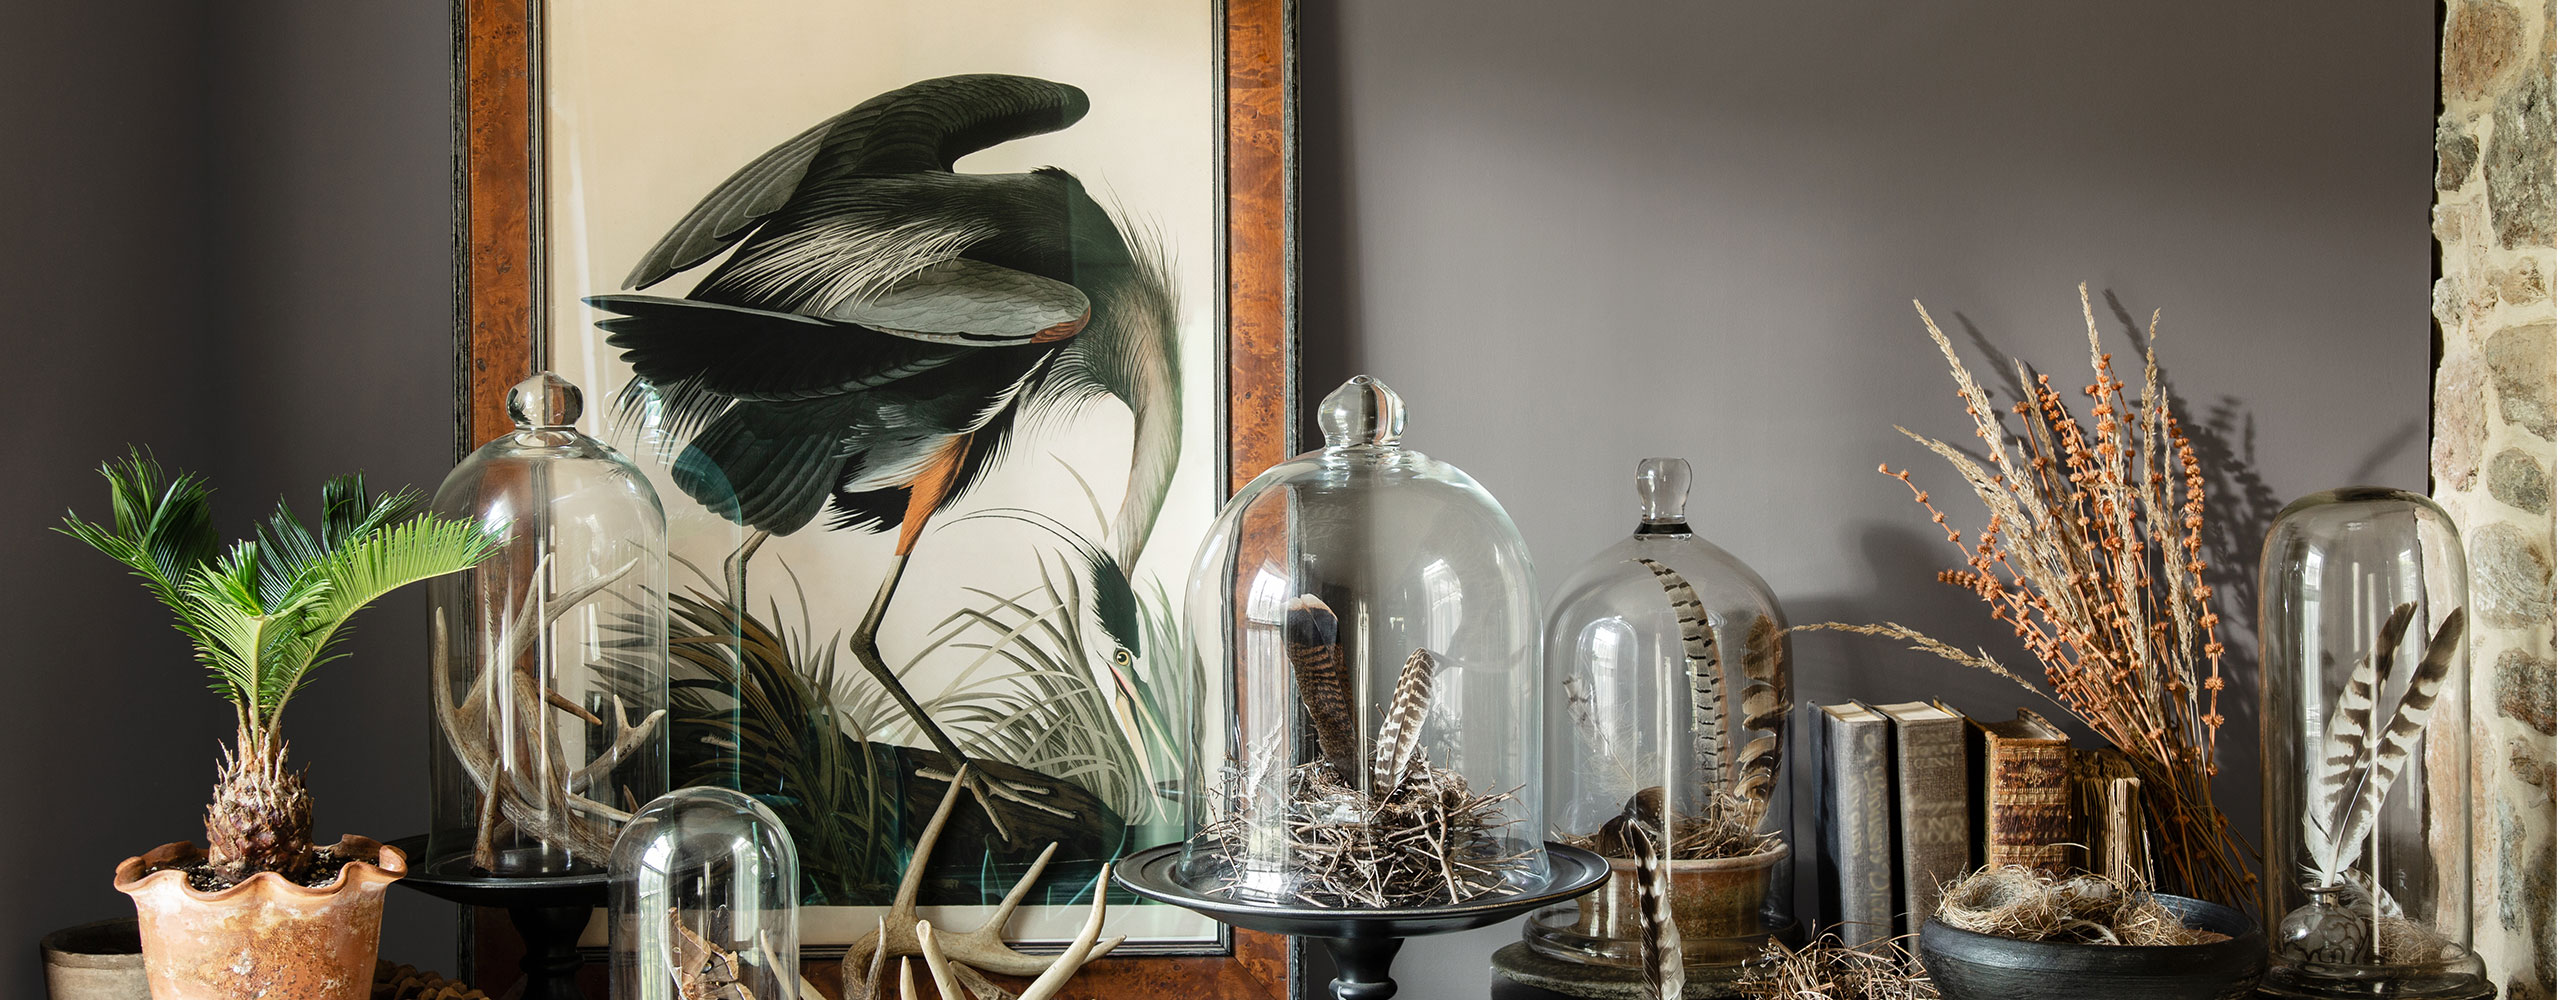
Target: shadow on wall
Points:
(1904, 558)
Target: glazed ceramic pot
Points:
(265, 937)
(1970, 966)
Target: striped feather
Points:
(1324, 685)
(1400, 735)
(2350, 739)
(2399, 737)
(1706, 676)
(1658, 934)
(1764, 711)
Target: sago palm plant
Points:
(262, 614)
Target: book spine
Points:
(1857, 814)
(1935, 810)
(2028, 819)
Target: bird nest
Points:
(1433, 841)
(2028, 904)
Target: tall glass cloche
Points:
(549, 660)
(2363, 617)
(705, 901)
(1667, 683)
(1373, 613)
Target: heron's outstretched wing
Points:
(924, 126)
(742, 353)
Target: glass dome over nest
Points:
(1373, 612)
(706, 901)
(549, 663)
(2365, 676)
(1667, 681)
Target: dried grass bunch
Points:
(2094, 555)
(2029, 904)
(1830, 970)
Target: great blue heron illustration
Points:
(886, 327)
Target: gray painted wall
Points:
(1571, 234)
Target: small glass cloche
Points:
(1373, 613)
(549, 661)
(706, 901)
(2363, 618)
(1667, 681)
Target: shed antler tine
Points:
(1022, 887)
(936, 963)
(906, 980)
(1078, 952)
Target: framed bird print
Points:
(941, 329)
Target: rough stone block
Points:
(2461, 422)
(2529, 762)
(2482, 38)
(2522, 686)
(2523, 284)
(2519, 164)
(2510, 577)
(2518, 481)
(2456, 153)
(2520, 362)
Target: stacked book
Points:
(1916, 795)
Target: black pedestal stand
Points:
(549, 912)
(1363, 942)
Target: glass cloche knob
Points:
(1363, 412)
(1662, 490)
(545, 400)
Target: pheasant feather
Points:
(1764, 711)
(1324, 685)
(1400, 736)
(1658, 934)
(1706, 675)
(2350, 738)
(2391, 749)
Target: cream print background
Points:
(655, 102)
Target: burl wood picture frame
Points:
(503, 334)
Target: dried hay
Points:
(1830, 970)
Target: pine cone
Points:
(403, 982)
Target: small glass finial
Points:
(1363, 411)
(1662, 490)
(545, 400)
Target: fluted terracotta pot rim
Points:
(388, 864)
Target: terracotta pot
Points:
(1715, 902)
(265, 937)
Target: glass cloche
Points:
(1374, 615)
(1667, 681)
(2365, 676)
(549, 663)
(706, 901)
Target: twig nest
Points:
(2030, 905)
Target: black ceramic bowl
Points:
(1970, 966)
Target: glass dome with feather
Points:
(1667, 682)
(1373, 613)
(549, 664)
(2364, 620)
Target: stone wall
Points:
(2493, 455)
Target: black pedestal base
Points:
(1363, 943)
(549, 912)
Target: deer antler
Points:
(982, 949)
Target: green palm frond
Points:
(264, 613)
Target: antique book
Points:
(1932, 809)
(1857, 825)
(1974, 795)
(2107, 803)
(2027, 818)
